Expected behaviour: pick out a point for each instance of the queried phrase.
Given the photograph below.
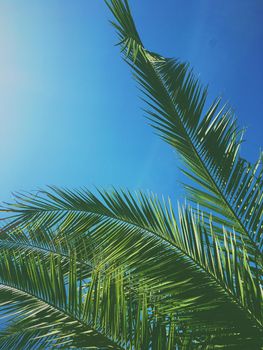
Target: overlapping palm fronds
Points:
(114, 270)
(192, 286)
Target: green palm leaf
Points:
(208, 142)
(193, 281)
(48, 305)
(35, 324)
(77, 313)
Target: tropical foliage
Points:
(113, 270)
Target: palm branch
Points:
(207, 141)
(53, 299)
(192, 286)
(36, 323)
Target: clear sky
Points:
(70, 112)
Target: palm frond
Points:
(48, 301)
(184, 270)
(208, 142)
(34, 323)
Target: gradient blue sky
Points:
(70, 112)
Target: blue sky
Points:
(70, 112)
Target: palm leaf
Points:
(78, 314)
(208, 142)
(48, 303)
(192, 279)
(35, 324)
(44, 303)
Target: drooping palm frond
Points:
(35, 324)
(208, 142)
(77, 313)
(51, 303)
(191, 280)
(77, 299)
